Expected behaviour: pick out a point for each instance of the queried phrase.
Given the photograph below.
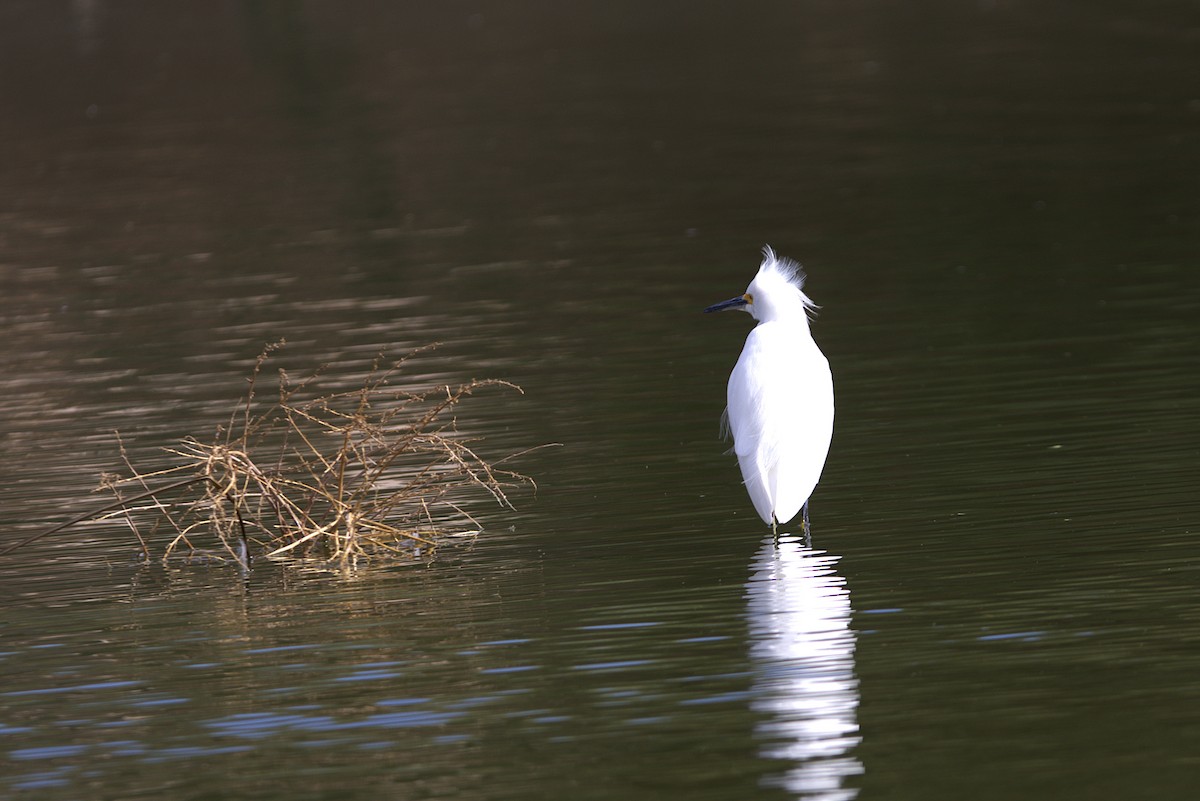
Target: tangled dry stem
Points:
(376, 471)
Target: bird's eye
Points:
(748, 298)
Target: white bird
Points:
(780, 395)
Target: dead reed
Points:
(379, 471)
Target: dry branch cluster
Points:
(379, 470)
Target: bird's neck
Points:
(796, 318)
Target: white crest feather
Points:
(790, 271)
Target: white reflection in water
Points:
(802, 648)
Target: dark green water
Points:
(998, 206)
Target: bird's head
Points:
(776, 293)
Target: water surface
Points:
(997, 208)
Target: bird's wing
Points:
(751, 425)
(805, 434)
(781, 416)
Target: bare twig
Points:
(375, 470)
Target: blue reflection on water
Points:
(259, 725)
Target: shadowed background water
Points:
(997, 204)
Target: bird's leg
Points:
(805, 525)
(775, 530)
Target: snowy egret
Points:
(780, 395)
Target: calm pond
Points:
(998, 208)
